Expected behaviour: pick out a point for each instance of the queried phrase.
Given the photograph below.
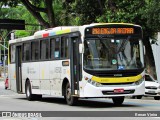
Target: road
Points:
(88, 108)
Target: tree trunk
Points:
(149, 58)
(35, 11)
(50, 13)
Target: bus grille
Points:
(113, 93)
(129, 83)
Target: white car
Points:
(152, 87)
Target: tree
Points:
(16, 10)
(151, 25)
(87, 11)
(143, 12)
(42, 10)
(22, 13)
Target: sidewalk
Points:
(4, 91)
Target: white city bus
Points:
(101, 60)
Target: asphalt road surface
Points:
(88, 109)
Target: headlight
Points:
(94, 83)
(139, 81)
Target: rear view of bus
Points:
(113, 61)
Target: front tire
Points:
(118, 100)
(71, 100)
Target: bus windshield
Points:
(113, 54)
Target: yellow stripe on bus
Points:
(116, 79)
(63, 31)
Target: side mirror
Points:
(81, 48)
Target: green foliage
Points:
(78, 12)
(29, 19)
(11, 3)
(129, 11)
(21, 33)
(151, 14)
(59, 12)
(86, 11)
(143, 12)
(42, 10)
(20, 12)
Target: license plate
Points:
(118, 90)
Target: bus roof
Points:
(47, 32)
(61, 30)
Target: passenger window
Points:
(52, 44)
(44, 49)
(64, 47)
(55, 48)
(35, 50)
(26, 51)
(12, 53)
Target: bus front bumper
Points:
(113, 90)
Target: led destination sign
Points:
(110, 31)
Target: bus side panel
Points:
(65, 73)
(55, 77)
(33, 69)
(12, 77)
(25, 75)
(44, 77)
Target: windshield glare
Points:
(113, 54)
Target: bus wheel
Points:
(71, 100)
(28, 91)
(118, 100)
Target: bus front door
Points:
(75, 65)
(18, 68)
